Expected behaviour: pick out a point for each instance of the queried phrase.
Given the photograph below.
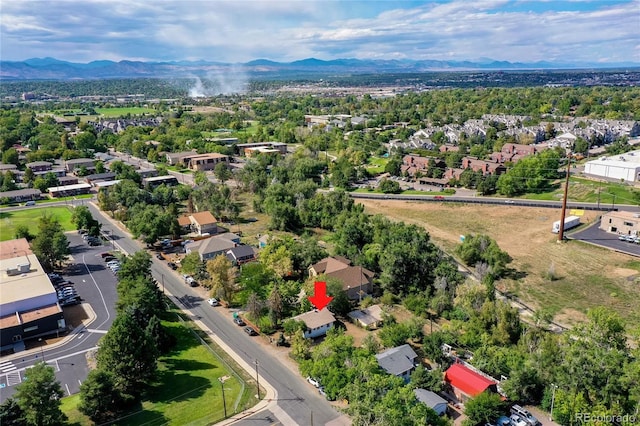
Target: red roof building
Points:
(467, 383)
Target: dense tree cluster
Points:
(128, 353)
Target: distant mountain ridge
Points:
(54, 69)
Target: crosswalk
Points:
(6, 367)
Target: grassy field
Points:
(376, 164)
(9, 221)
(188, 390)
(587, 276)
(586, 190)
(118, 111)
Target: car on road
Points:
(250, 331)
(313, 381)
(30, 203)
(438, 197)
(213, 301)
(239, 321)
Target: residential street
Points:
(296, 402)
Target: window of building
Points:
(628, 223)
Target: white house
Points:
(317, 322)
(624, 167)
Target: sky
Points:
(559, 31)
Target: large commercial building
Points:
(620, 167)
(28, 302)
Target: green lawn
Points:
(9, 221)
(118, 111)
(188, 390)
(376, 164)
(586, 190)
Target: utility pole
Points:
(564, 200)
(224, 401)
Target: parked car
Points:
(106, 254)
(213, 301)
(110, 259)
(172, 265)
(313, 381)
(250, 331)
(159, 256)
(30, 203)
(239, 321)
(525, 415)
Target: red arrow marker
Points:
(320, 298)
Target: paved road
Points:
(297, 401)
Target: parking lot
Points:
(596, 236)
(86, 290)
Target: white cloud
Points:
(287, 30)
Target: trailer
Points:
(569, 222)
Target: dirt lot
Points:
(586, 276)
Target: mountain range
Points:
(54, 69)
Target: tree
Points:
(38, 396)
(11, 156)
(22, 231)
(427, 379)
(83, 219)
(28, 176)
(99, 398)
(389, 186)
(222, 275)
(277, 257)
(393, 166)
(129, 353)
(222, 172)
(10, 413)
(50, 245)
(43, 183)
(481, 248)
(276, 304)
(484, 408)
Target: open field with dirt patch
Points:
(586, 276)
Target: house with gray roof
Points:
(400, 361)
(317, 322)
(432, 400)
(209, 248)
(241, 254)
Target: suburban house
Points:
(621, 222)
(467, 383)
(369, 318)
(78, 163)
(39, 166)
(317, 322)
(241, 254)
(432, 400)
(400, 361)
(204, 162)
(21, 195)
(200, 223)
(356, 280)
(209, 248)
